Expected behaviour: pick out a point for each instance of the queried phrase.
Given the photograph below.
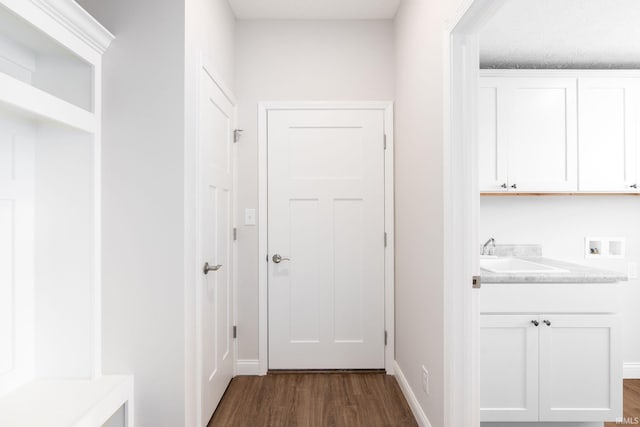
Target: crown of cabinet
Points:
(69, 15)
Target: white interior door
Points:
(326, 222)
(216, 204)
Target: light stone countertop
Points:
(577, 274)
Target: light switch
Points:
(249, 217)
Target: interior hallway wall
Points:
(149, 135)
(296, 61)
(560, 225)
(419, 191)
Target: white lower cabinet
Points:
(550, 367)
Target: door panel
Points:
(326, 214)
(608, 139)
(580, 368)
(491, 136)
(508, 368)
(542, 134)
(216, 187)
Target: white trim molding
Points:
(631, 371)
(461, 212)
(263, 317)
(412, 400)
(247, 367)
(75, 19)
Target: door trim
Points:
(462, 210)
(263, 315)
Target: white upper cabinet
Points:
(492, 139)
(550, 131)
(541, 132)
(527, 134)
(608, 128)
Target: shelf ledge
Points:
(40, 104)
(66, 403)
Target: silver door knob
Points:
(278, 259)
(207, 268)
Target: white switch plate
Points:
(249, 217)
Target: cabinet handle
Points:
(514, 186)
(535, 323)
(504, 185)
(546, 322)
(633, 186)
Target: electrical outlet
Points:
(425, 380)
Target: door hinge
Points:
(385, 239)
(237, 133)
(235, 233)
(384, 144)
(385, 337)
(476, 282)
(235, 331)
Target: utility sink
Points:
(517, 265)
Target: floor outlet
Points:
(425, 380)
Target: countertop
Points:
(577, 274)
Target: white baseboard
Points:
(631, 371)
(248, 367)
(417, 410)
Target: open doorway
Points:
(556, 163)
(568, 115)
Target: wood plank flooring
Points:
(631, 410)
(314, 400)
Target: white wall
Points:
(560, 225)
(143, 203)
(420, 26)
(149, 134)
(296, 61)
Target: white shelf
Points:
(36, 103)
(66, 403)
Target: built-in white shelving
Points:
(35, 103)
(50, 193)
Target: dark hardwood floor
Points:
(631, 404)
(314, 399)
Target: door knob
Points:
(278, 259)
(207, 268)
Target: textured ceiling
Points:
(563, 34)
(314, 9)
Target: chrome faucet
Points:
(489, 248)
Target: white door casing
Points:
(326, 213)
(215, 349)
(387, 109)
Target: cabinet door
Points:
(492, 150)
(542, 134)
(608, 123)
(508, 368)
(580, 368)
